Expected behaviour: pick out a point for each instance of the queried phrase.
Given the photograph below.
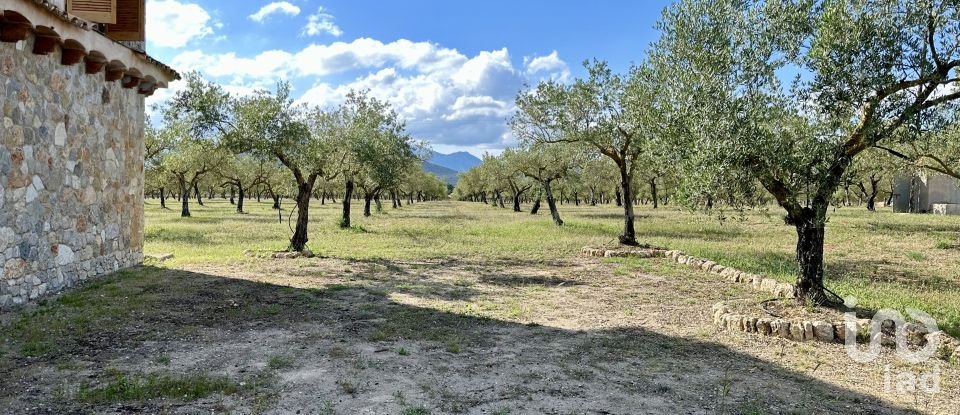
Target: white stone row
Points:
(862, 330)
(796, 330)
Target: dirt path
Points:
(324, 336)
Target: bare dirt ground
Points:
(322, 336)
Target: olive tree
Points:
(546, 163)
(613, 114)
(788, 93)
(242, 173)
(189, 161)
(268, 125)
(374, 144)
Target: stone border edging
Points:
(757, 282)
(795, 330)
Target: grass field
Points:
(884, 259)
(448, 307)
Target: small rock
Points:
(916, 334)
(823, 331)
(763, 326)
(783, 290)
(64, 255)
(840, 331)
(808, 331)
(797, 331)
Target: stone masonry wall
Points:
(71, 175)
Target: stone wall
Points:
(71, 174)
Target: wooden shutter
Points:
(97, 11)
(131, 16)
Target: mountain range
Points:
(449, 166)
(460, 161)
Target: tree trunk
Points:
(185, 203)
(552, 204)
(516, 201)
(619, 198)
(653, 192)
(299, 240)
(536, 206)
(500, 200)
(163, 198)
(347, 195)
(629, 236)
(240, 195)
(872, 196)
(276, 200)
(914, 198)
(366, 204)
(232, 194)
(393, 199)
(196, 190)
(810, 236)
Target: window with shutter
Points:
(98, 11)
(130, 21)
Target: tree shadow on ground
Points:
(420, 278)
(118, 321)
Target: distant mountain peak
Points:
(460, 161)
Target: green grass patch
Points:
(144, 387)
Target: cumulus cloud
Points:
(321, 22)
(172, 24)
(446, 97)
(551, 66)
(277, 7)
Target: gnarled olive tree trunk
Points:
(240, 195)
(810, 224)
(347, 195)
(629, 235)
(299, 240)
(552, 203)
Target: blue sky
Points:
(451, 69)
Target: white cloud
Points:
(466, 107)
(338, 57)
(321, 22)
(172, 24)
(446, 97)
(551, 66)
(266, 67)
(281, 7)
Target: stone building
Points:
(938, 194)
(73, 77)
